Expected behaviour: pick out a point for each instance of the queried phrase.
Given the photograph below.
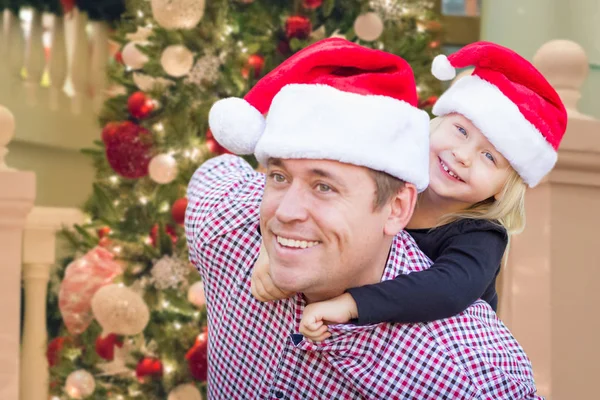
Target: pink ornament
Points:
(83, 277)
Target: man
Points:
(346, 153)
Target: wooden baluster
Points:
(12, 44)
(99, 62)
(33, 62)
(57, 64)
(77, 59)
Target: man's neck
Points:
(372, 273)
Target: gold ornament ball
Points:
(80, 384)
(177, 60)
(177, 14)
(120, 310)
(163, 168)
(196, 294)
(187, 391)
(368, 26)
(132, 56)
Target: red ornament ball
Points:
(105, 346)
(214, 146)
(297, 26)
(104, 231)
(256, 63)
(170, 230)
(109, 132)
(312, 4)
(53, 350)
(118, 57)
(148, 368)
(140, 105)
(178, 210)
(128, 149)
(197, 357)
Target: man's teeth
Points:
(300, 244)
(452, 174)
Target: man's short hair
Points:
(386, 187)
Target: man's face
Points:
(319, 226)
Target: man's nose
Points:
(292, 206)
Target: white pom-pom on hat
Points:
(442, 69)
(236, 125)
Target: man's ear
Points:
(402, 207)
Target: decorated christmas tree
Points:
(130, 307)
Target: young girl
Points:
(497, 132)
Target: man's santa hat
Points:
(333, 100)
(510, 101)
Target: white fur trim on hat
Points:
(236, 125)
(321, 122)
(442, 69)
(500, 120)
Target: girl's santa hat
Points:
(510, 101)
(333, 100)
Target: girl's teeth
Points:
(452, 174)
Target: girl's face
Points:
(465, 168)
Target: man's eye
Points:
(323, 188)
(278, 177)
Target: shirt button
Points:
(279, 394)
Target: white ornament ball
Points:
(196, 294)
(368, 26)
(132, 56)
(187, 391)
(163, 168)
(177, 60)
(147, 83)
(80, 384)
(178, 14)
(120, 310)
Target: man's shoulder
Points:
(224, 193)
(484, 348)
(405, 257)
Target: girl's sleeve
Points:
(459, 276)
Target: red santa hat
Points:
(333, 100)
(510, 101)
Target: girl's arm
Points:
(459, 276)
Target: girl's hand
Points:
(317, 316)
(263, 288)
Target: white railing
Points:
(27, 250)
(54, 61)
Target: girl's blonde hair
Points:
(507, 208)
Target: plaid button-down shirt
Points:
(255, 350)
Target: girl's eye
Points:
(462, 130)
(490, 157)
(323, 188)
